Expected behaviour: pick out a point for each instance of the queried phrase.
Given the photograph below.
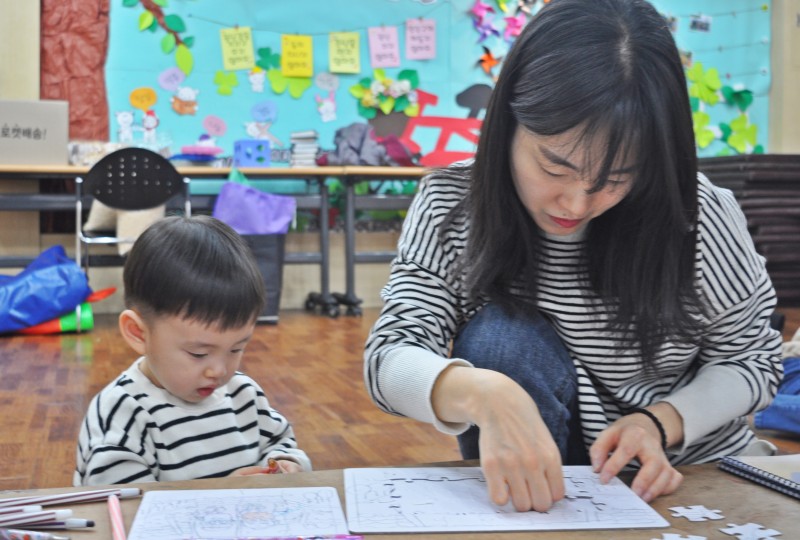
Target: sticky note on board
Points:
(421, 39)
(297, 56)
(237, 48)
(384, 47)
(344, 54)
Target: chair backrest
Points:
(133, 179)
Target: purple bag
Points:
(251, 211)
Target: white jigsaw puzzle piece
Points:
(696, 513)
(750, 531)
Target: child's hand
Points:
(289, 466)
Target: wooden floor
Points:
(309, 365)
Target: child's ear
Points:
(134, 330)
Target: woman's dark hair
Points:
(196, 268)
(610, 70)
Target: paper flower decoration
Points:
(705, 84)
(387, 95)
(514, 26)
(702, 134)
(741, 98)
(488, 61)
(479, 10)
(743, 133)
(485, 28)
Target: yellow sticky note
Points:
(344, 55)
(297, 56)
(237, 48)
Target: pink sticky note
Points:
(421, 39)
(384, 47)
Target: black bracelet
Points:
(656, 421)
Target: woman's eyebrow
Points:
(556, 159)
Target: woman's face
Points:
(552, 176)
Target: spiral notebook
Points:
(781, 473)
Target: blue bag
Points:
(49, 287)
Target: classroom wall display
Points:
(196, 76)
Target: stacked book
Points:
(305, 147)
(767, 187)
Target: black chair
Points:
(127, 179)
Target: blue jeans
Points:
(528, 350)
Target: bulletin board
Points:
(200, 75)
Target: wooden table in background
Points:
(738, 500)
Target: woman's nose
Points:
(576, 202)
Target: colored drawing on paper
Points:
(238, 513)
(442, 499)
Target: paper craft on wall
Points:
(297, 56)
(344, 55)
(421, 39)
(384, 48)
(237, 48)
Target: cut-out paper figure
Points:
(125, 122)
(488, 61)
(257, 78)
(479, 10)
(185, 100)
(327, 107)
(485, 28)
(260, 130)
(514, 26)
(149, 125)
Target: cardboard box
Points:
(34, 132)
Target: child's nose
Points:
(216, 370)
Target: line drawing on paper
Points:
(445, 499)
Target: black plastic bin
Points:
(269, 250)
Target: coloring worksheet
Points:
(238, 513)
(444, 499)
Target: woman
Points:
(579, 286)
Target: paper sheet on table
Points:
(444, 499)
(238, 513)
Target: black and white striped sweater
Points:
(734, 372)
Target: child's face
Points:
(189, 359)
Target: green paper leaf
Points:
(224, 90)
(387, 105)
(401, 103)
(357, 91)
(277, 81)
(366, 82)
(130, 3)
(153, 26)
(726, 151)
(168, 43)
(411, 76)
(184, 59)
(367, 112)
(380, 74)
(162, 3)
(726, 131)
(188, 41)
(174, 23)
(694, 103)
(145, 20)
(412, 110)
(758, 149)
(727, 93)
(298, 85)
